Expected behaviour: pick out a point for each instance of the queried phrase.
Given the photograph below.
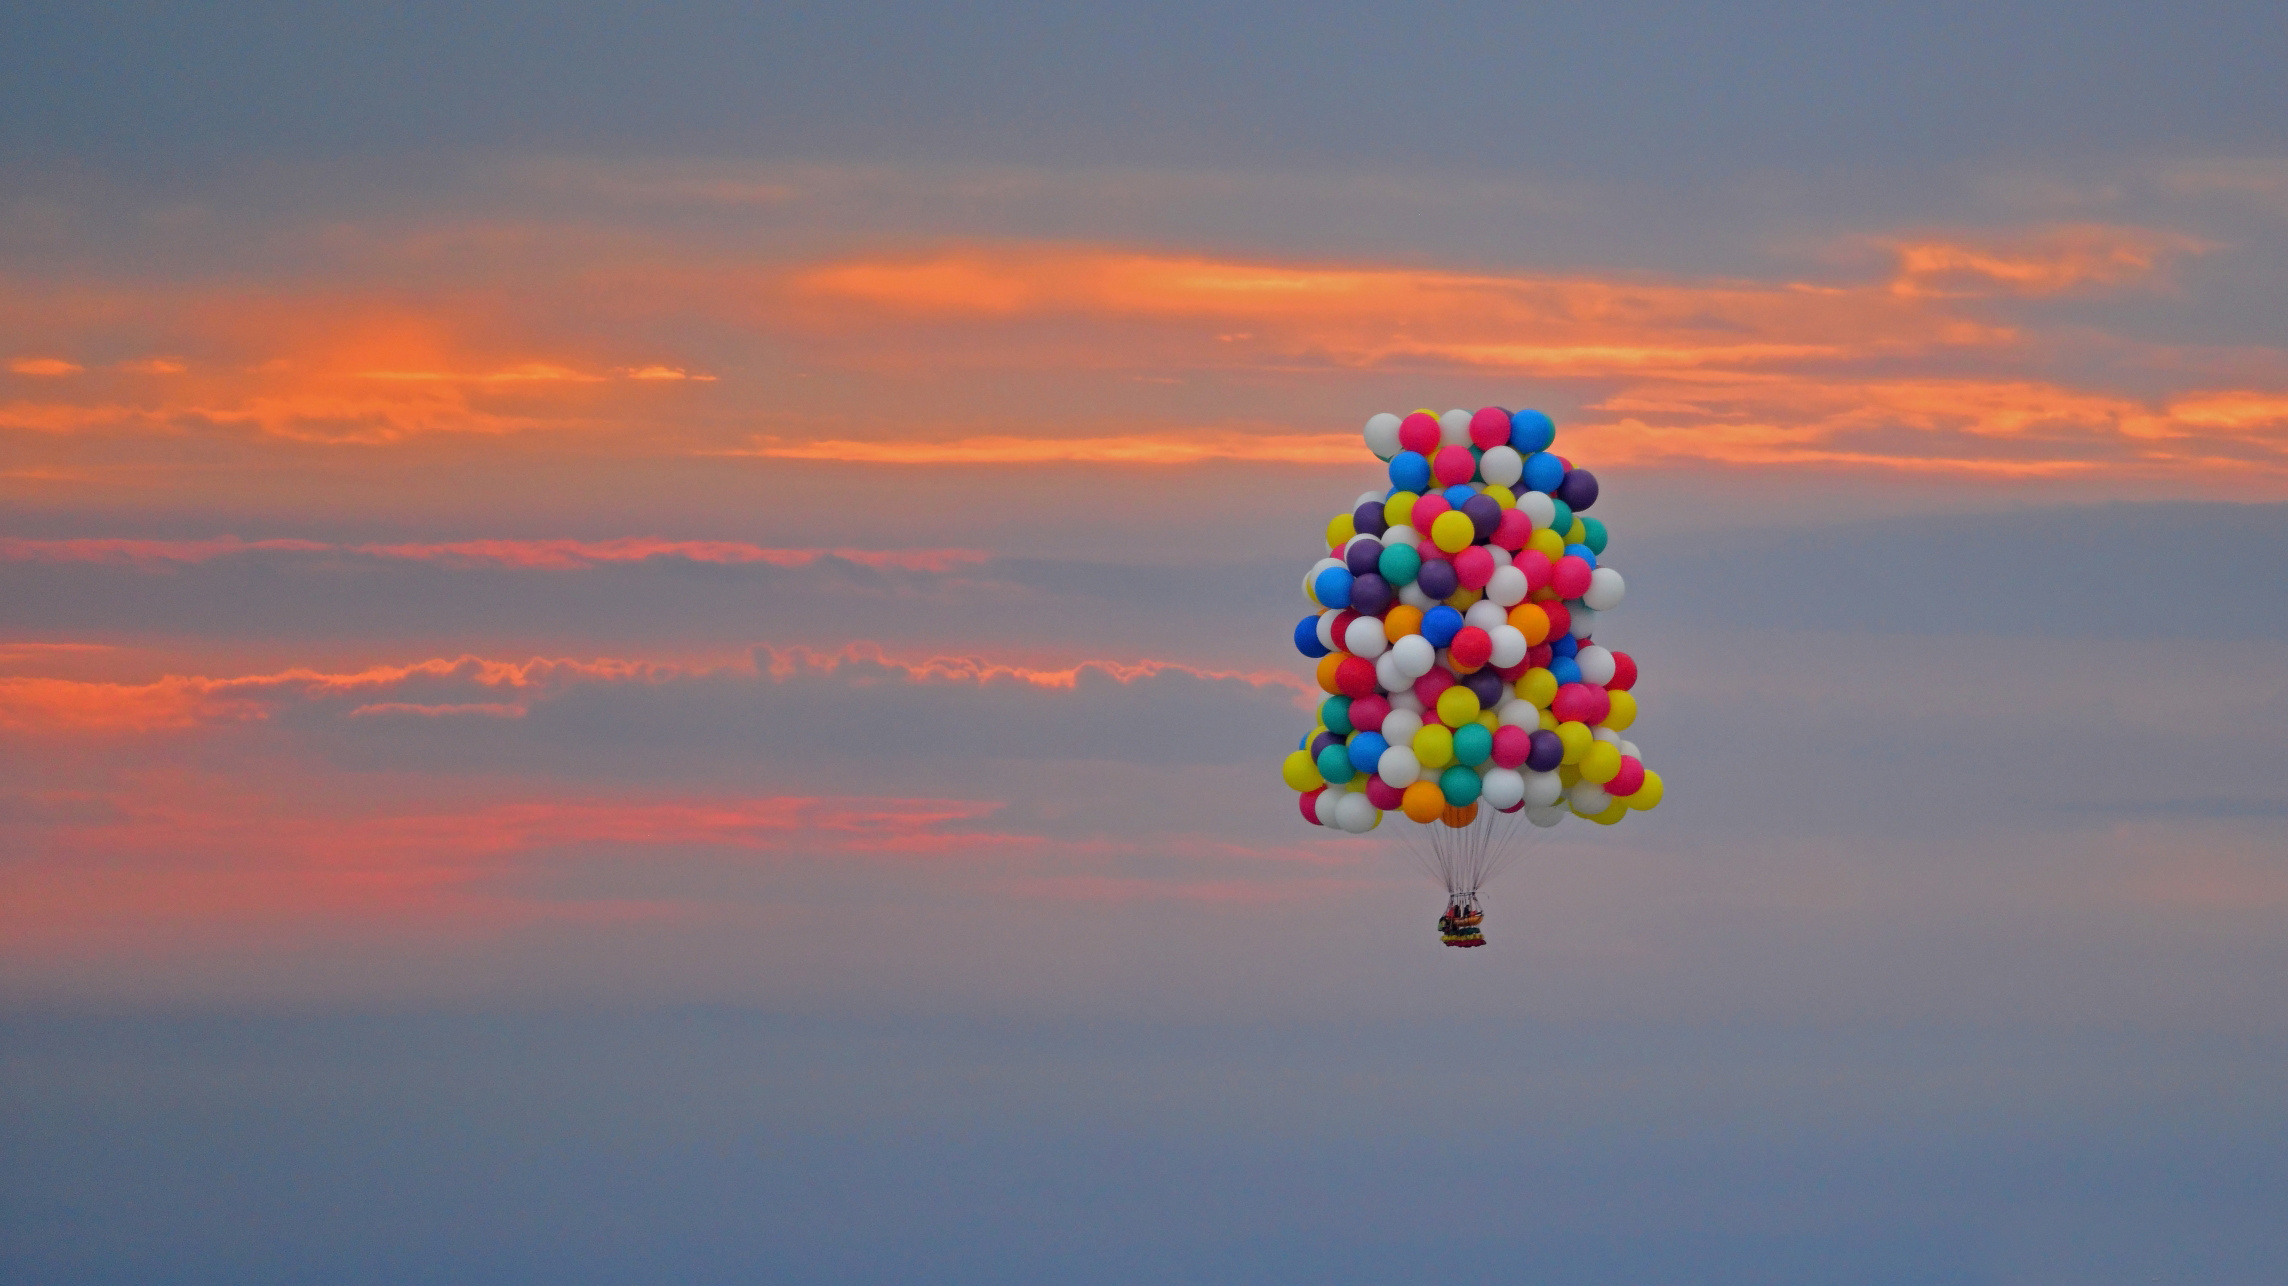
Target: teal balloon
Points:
(1473, 744)
(1561, 524)
(1458, 784)
(1593, 534)
(1335, 712)
(1335, 763)
(1399, 564)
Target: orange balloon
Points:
(1530, 621)
(1328, 665)
(1422, 802)
(1460, 817)
(1401, 621)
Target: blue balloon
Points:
(1366, 751)
(1562, 645)
(1333, 588)
(1409, 471)
(1440, 624)
(1565, 669)
(1335, 763)
(1584, 553)
(1531, 431)
(1460, 786)
(1458, 494)
(1544, 472)
(1307, 638)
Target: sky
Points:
(652, 645)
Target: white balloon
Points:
(1501, 787)
(1629, 748)
(1605, 589)
(1382, 435)
(1355, 813)
(1454, 429)
(1413, 595)
(1404, 699)
(1403, 534)
(1374, 498)
(1398, 767)
(1603, 733)
(1510, 646)
(1326, 628)
(1507, 589)
(1545, 817)
(1588, 799)
(1365, 638)
(1543, 789)
(1485, 615)
(1399, 727)
(1387, 675)
(1596, 665)
(1415, 655)
(1517, 712)
(1313, 574)
(1329, 800)
(1539, 507)
(1584, 619)
(1500, 555)
(1502, 466)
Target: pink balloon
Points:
(1367, 713)
(1310, 802)
(1560, 617)
(1426, 511)
(1628, 781)
(1453, 465)
(1581, 703)
(1419, 433)
(1427, 688)
(1489, 428)
(1514, 529)
(1570, 578)
(1471, 648)
(1512, 746)
(1473, 567)
(1534, 564)
(1383, 795)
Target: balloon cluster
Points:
(1454, 637)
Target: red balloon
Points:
(1383, 795)
(1419, 433)
(1310, 804)
(1513, 530)
(1343, 621)
(1355, 676)
(1512, 746)
(1534, 564)
(1368, 712)
(1512, 673)
(1570, 578)
(1472, 647)
(1454, 465)
(1473, 567)
(1426, 511)
(1560, 618)
(1427, 688)
(1540, 654)
(1489, 428)
(1624, 673)
(1628, 781)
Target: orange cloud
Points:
(44, 366)
(787, 662)
(531, 555)
(2049, 262)
(1175, 447)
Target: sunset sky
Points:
(653, 645)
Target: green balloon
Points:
(1595, 539)
(1335, 712)
(1399, 564)
(1335, 764)
(1460, 785)
(1563, 522)
(1473, 744)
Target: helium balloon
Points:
(1512, 746)
(1419, 433)
(1423, 802)
(1647, 795)
(1451, 531)
(1501, 788)
(1356, 813)
(1414, 655)
(1460, 786)
(1398, 564)
(1334, 763)
(1457, 705)
(1543, 472)
(1514, 529)
(1531, 431)
(1593, 535)
(1398, 766)
(1362, 556)
(1307, 638)
(1333, 587)
(1583, 624)
(1509, 645)
(1437, 578)
(1485, 516)
(1579, 489)
(1434, 745)
(1365, 751)
(1538, 686)
(1570, 578)
(1531, 620)
(1596, 665)
(1548, 751)
(1453, 466)
(1382, 436)
(1382, 794)
(1487, 686)
(1587, 799)
(1309, 802)
(1301, 772)
(1367, 713)
(1335, 716)
(1328, 666)
(1624, 673)
(1507, 587)
(1454, 428)
(1473, 744)
(1580, 703)
(1490, 428)
(1501, 466)
(1605, 589)
(1471, 647)
(1622, 709)
(1371, 595)
(1600, 764)
(1399, 726)
(1627, 779)
(1440, 624)
(1473, 567)
(1364, 638)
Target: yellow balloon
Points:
(1402, 621)
(1568, 776)
(1301, 773)
(1453, 531)
(1624, 711)
(1462, 599)
(1548, 721)
(1540, 687)
(1399, 508)
(1457, 705)
(1577, 533)
(1648, 794)
(1601, 763)
(1575, 735)
(1488, 720)
(1339, 529)
(1616, 812)
(1423, 801)
(1434, 746)
(1503, 496)
(1547, 543)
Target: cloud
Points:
(528, 555)
(43, 366)
(2048, 261)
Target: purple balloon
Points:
(1484, 513)
(1487, 685)
(1322, 741)
(1371, 595)
(1548, 751)
(1369, 520)
(1364, 556)
(1437, 578)
(1579, 490)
